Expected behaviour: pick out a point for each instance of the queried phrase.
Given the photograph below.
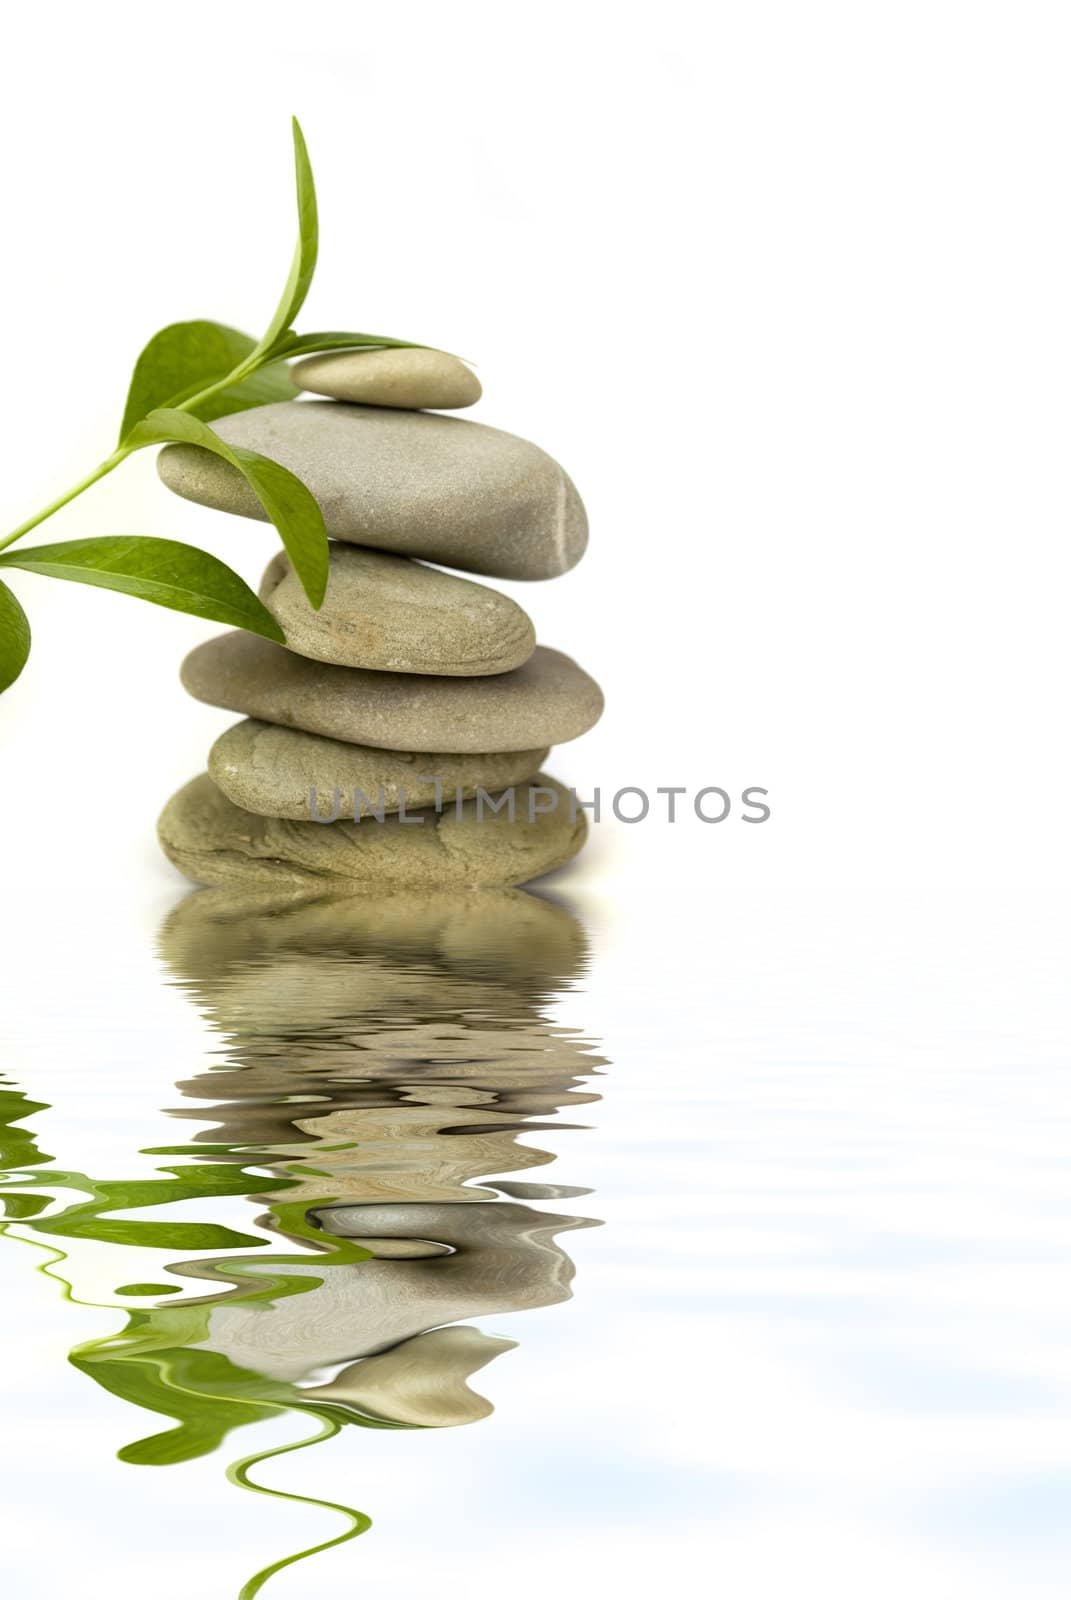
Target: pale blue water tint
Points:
(819, 1341)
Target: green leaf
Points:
(304, 263)
(289, 505)
(301, 344)
(186, 357)
(14, 638)
(192, 1386)
(263, 388)
(160, 570)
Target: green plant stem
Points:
(238, 1473)
(240, 373)
(246, 369)
(101, 471)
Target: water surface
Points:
(379, 1061)
(819, 1333)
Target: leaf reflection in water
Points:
(381, 1057)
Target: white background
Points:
(787, 289)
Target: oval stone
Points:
(455, 492)
(213, 841)
(547, 701)
(390, 614)
(278, 772)
(411, 379)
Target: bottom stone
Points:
(212, 841)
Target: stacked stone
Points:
(411, 715)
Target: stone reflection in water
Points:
(383, 1056)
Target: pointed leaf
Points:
(301, 344)
(179, 360)
(14, 638)
(263, 388)
(304, 263)
(289, 505)
(186, 357)
(161, 570)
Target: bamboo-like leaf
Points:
(303, 344)
(288, 503)
(14, 638)
(308, 244)
(159, 570)
(186, 357)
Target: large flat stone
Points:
(213, 841)
(547, 701)
(452, 491)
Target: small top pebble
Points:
(412, 380)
